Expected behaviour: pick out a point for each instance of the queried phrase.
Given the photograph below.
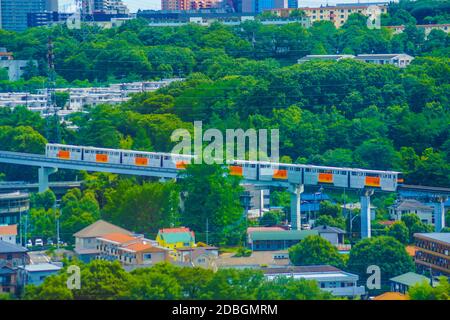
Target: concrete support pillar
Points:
(296, 217)
(439, 214)
(365, 213)
(43, 177)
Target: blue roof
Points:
(318, 196)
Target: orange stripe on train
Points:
(280, 174)
(372, 181)
(181, 165)
(235, 170)
(139, 161)
(101, 157)
(63, 154)
(326, 177)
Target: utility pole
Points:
(207, 231)
(51, 110)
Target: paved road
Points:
(37, 257)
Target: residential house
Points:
(35, 274)
(339, 283)
(15, 68)
(13, 205)
(391, 296)
(276, 240)
(11, 257)
(197, 256)
(325, 57)
(257, 259)
(425, 213)
(403, 282)
(174, 238)
(337, 14)
(427, 28)
(433, 253)
(86, 239)
(356, 206)
(8, 233)
(130, 250)
(333, 234)
(8, 280)
(400, 60)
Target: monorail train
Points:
(117, 156)
(249, 170)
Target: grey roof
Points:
(410, 204)
(282, 235)
(380, 56)
(40, 267)
(100, 228)
(410, 279)
(443, 237)
(328, 229)
(301, 269)
(6, 247)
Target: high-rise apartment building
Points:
(189, 4)
(13, 13)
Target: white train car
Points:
(62, 151)
(101, 155)
(245, 169)
(141, 158)
(176, 161)
(295, 173)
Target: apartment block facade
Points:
(433, 253)
(338, 14)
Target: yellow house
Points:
(173, 238)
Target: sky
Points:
(134, 5)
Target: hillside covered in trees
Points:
(346, 113)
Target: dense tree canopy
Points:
(104, 280)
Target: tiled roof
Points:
(411, 204)
(391, 296)
(378, 56)
(410, 279)
(282, 235)
(100, 228)
(328, 229)
(141, 246)
(40, 267)
(6, 247)
(301, 269)
(386, 222)
(8, 230)
(174, 235)
(117, 237)
(174, 230)
(411, 250)
(258, 229)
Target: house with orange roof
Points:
(391, 296)
(173, 238)
(86, 239)
(130, 250)
(8, 233)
